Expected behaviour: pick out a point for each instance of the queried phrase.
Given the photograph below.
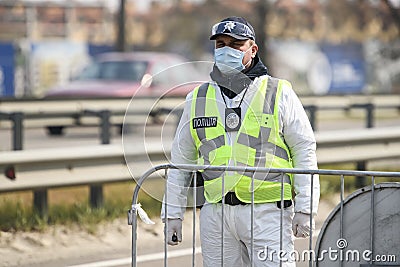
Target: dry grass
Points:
(71, 205)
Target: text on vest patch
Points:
(204, 122)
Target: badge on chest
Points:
(232, 119)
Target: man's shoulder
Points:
(203, 86)
(282, 83)
(280, 80)
(189, 96)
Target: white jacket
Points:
(295, 130)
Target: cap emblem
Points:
(230, 25)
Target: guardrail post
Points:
(105, 126)
(96, 191)
(370, 115)
(178, 114)
(17, 120)
(96, 196)
(362, 165)
(40, 202)
(360, 180)
(312, 110)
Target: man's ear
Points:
(254, 50)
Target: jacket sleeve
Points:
(296, 130)
(183, 151)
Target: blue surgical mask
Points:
(229, 60)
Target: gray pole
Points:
(121, 42)
(261, 35)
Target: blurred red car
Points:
(124, 74)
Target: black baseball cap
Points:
(236, 27)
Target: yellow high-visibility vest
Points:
(257, 144)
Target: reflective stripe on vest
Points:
(258, 144)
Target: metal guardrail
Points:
(132, 213)
(367, 103)
(109, 112)
(19, 111)
(41, 169)
(368, 107)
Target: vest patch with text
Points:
(204, 122)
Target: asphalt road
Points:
(177, 256)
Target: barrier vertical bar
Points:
(252, 223)
(132, 218)
(281, 221)
(222, 220)
(166, 219)
(372, 224)
(341, 211)
(310, 246)
(194, 219)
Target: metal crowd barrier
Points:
(132, 213)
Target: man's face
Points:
(247, 46)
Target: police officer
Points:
(243, 117)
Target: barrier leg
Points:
(310, 243)
(194, 219)
(341, 235)
(372, 219)
(166, 218)
(132, 220)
